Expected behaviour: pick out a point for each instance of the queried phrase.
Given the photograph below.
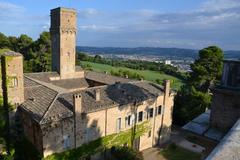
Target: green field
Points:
(148, 75)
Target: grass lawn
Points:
(178, 153)
(148, 75)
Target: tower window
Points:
(14, 82)
(68, 56)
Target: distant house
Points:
(167, 62)
(69, 108)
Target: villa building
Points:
(69, 107)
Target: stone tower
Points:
(63, 37)
(12, 77)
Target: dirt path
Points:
(152, 154)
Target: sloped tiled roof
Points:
(45, 101)
(38, 98)
(119, 94)
(105, 78)
(73, 83)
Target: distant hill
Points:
(161, 52)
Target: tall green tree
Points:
(24, 44)
(189, 103)
(207, 68)
(194, 97)
(13, 41)
(43, 43)
(4, 42)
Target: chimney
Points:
(97, 94)
(77, 103)
(167, 87)
(78, 118)
(166, 92)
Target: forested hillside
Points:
(178, 53)
(37, 54)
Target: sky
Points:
(193, 24)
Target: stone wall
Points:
(58, 136)
(32, 131)
(102, 123)
(225, 108)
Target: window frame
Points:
(118, 124)
(159, 110)
(139, 116)
(150, 113)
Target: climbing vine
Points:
(117, 139)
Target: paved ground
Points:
(178, 136)
(152, 154)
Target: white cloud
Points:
(94, 27)
(88, 13)
(206, 25)
(6, 6)
(218, 5)
(9, 10)
(213, 22)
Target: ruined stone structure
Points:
(69, 107)
(226, 102)
(12, 77)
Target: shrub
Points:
(126, 153)
(172, 146)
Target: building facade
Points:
(225, 110)
(71, 119)
(70, 108)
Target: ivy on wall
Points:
(5, 106)
(96, 146)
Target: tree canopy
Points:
(207, 68)
(37, 54)
(194, 97)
